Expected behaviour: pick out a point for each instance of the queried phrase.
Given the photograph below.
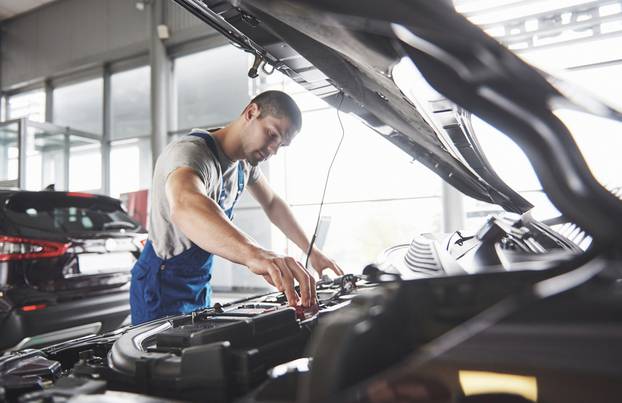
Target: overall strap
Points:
(209, 141)
(211, 144)
(229, 211)
(240, 181)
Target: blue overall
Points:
(180, 284)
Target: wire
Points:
(319, 213)
(449, 240)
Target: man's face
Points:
(264, 135)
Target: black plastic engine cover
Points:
(215, 355)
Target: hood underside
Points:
(344, 52)
(349, 63)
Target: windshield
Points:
(58, 212)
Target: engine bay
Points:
(227, 351)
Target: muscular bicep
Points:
(181, 184)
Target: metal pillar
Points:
(21, 159)
(159, 82)
(453, 208)
(4, 115)
(107, 127)
(66, 151)
(4, 162)
(49, 101)
(145, 163)
(48, 117)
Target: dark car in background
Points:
(65, 261)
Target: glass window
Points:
(130, 98)
(506, 157)
(367, 166)
(44, 159)
(212, 87)
(85, 164)
(377, 196)
(34, 169)
(9, 134)
(602, 81)
(369, 228)
(511, 164)
(130, 166)
(29, 105)
(600, 143)
(543, 207)
(80, 106)
(477, 212)
(590, 51)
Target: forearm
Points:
(204, 223)
(282, 216)
(201, 219)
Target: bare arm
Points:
(204, 223)
(279, 212)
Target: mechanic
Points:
(197, 181)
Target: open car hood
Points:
(331, 55)
(344, 52)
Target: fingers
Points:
(274, 274)
(321, 262)
(305, 280)
(281, 272)
(268, 279)
(333, 267)
(287, 281)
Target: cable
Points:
(319, 213)
(449, 240)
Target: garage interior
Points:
(88, 104)
(93, 90)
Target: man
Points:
(196, 183)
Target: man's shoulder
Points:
(189, 151)
(194, 144)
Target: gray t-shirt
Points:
(193, 152)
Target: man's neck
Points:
(229, 142)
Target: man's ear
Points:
(251, 111)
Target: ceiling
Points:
(11, 8)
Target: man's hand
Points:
(192, 212)
(321, 262)
(280, 271)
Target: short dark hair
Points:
(279, 105)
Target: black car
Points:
(519, 310)
(65, 259)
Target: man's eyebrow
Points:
(285, 139)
